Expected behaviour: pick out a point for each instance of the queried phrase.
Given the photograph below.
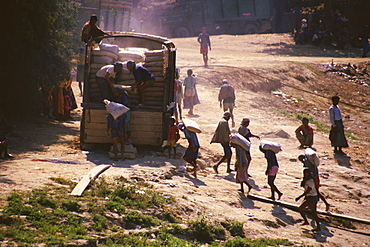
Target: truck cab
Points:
(148, 123)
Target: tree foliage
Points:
(38, 42)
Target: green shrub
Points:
(204, 231)
(62, 181)
(234, 227)
(260, 242)
(116, 207)
(100, 222)
(134, 218)
(71, 206)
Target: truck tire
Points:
(182, 32)
(251, 29)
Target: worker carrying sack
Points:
(115, 109)
(191, 125)
(273, 146)
(240, 140)
(312, 156)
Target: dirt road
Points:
(255, 65)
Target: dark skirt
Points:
(190, 154)
(337, 137)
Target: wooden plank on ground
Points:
(85, 181)
(294, 207)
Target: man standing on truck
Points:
(90, 30)
(204, 42)
(143, 79)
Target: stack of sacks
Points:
(154, 62)
(103, 55)
(126, 78)
(132, 53)
(130, 152)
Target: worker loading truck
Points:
(149, 121)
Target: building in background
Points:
(113, 15)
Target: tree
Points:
(38, 41)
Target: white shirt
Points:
(310, 184)
(334, 114)
(106, 69)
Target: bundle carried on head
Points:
(191, 125)
(240, 140)
(268, 145)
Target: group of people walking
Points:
(304, 134)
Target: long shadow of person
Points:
(343, 160)
(280, 213)
(246, 202)
(320, 236)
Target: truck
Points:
(148, 123)
(186, 18)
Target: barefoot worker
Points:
(105, 78)
(191, 153)
(271, 172)
(244, 131)
(190, 95)
(310, 200)
(337, 137)
(204, 42)
(314, 171)
(222, 136)
(143, 79)
(226, 97)
(241, 165)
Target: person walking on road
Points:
(246, 133)
(191, 153)
(310, 199)
(315, 175)
(241, 166)
(226, 97)
(204, 42)
(190, 94)
(222, 136)
(271, 172)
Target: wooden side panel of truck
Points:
(148, 123)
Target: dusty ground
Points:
(255, 65)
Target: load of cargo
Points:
(148, 123)
(153, 60)
(312, 156)
(268, 145)
(240, 140)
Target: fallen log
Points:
(294, 207)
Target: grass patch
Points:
(61, 181)
(206, 231)
(234, 227)
(50, 216)
(260, 242)
(134, 218)
(350, 136)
